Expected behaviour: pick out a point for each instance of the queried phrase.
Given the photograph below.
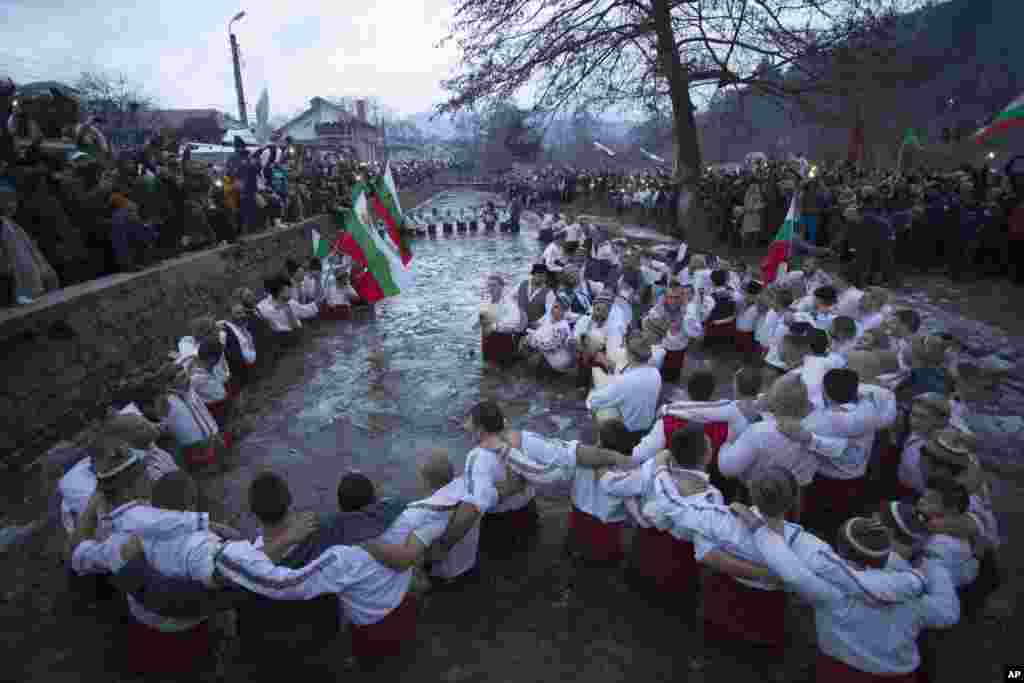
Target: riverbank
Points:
(367, 395)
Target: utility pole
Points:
(242, 114)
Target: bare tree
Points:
(114, 96)
(635, 53)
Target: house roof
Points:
(319, 103)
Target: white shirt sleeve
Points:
(94, 557)
(628, 483)
(792, 570)
(245, 565)
(652, 443)
(610, 395)
(737, 457)
(480, 488)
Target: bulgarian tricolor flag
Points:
(781, 249)
(1010, 117)
(384, 200)
(383, 273)
(321, 248)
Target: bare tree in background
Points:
(632, 53)
(114, 96)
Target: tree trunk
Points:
(690, 216)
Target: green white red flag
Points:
(781, 249)
(321, 247)
(384, 201)
(1010, 117)
(383, 274)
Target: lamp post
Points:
(238, 71)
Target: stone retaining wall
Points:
(66, 356)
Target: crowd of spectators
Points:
(75, 209)
(966, 222)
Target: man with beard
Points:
(591, 332)
(534, 297)
(684, 324)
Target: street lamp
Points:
(242, 114)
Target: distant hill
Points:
(441, 127)
(979, 69)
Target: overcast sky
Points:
(178, 50)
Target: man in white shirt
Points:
(510, 520)
(275, 308)
(552, 342)
(445, 492)
(501, 322)
(684, 324)
(867, 622)
(591, 334)
(555, 257)
(534, 297)
(633, 393)
(667, 560)
(855, 412)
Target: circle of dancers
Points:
(839, 472)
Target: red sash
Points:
(665, 560)
(150, 651)
(733, 611)
(385, 638)
(830, 670)
(497, 347)
(339, 312)
(830, 502)
(745, 342)
(598, 541)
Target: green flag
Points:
(911, 138)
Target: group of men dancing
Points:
(841, 471)
(845, 418)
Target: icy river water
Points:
(368, 394)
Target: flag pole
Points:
(899, 158)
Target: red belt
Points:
(385, 638)
(830, 670)
(735, 611)
(666, 560)
(598, 541)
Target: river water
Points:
(369, 394)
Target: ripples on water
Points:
(369, 394)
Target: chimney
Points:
(361, 111)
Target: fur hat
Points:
(869, 539)
(952, 446)
(112, 457)
(903, 519)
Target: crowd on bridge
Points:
(841, 469)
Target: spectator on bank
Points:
(133, 240)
